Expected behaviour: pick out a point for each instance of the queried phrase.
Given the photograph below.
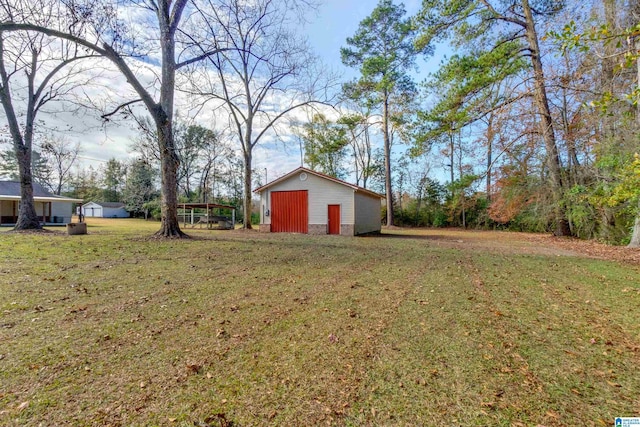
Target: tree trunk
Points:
(27, 216)
(387, 161)
(546, 124)
(637, 46)
(451, 164)
(608, 65)
(490, 136)
(247, 205)
(163, 116)
(635, 237)
(366, 166)
(170, 225)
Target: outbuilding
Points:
(306, 201)
(51, 209)
(105, 210)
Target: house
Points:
(306, 201)
(51, 208)
(105, 210)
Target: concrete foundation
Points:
(265, 228)
(317, 229)
(346, 229)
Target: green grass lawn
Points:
(241, 328)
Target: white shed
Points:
(105, 210)
(306, 201)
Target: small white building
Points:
(50, 208)
(104, 210)
(306, 201)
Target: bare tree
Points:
(358, 126)
(34, 70)
(105, 29)
(217, 158)
(61, 155)
(263, 76)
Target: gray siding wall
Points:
(58, 209)
(61, 210)
(367, 214)
(321, 194)
(114, 212)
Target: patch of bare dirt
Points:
(588, 248)
(514, 242)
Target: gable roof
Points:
(113, 205)
(320, 175)
(10, 190)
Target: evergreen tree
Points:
(325, 145)
(139, 188)
(113, 180)
(491, 26)
(383, 51)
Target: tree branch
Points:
(501, 17)
(201, 57)
(106, 51)
(106, 116)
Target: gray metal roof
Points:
(110, 204)
(12, 188)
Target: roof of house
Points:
(10, 190)
(114, 205)
(320, 175)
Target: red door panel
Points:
(334, 219)
(289, 212)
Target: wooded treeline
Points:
(532, 114)
(209, 172)
(540, 103)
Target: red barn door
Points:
(334, 219)
(289, 212)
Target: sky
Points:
(327, 31)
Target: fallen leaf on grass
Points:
(215, 420)
(23, 405)
(553, 414)
(194, 368)
(612, 384)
